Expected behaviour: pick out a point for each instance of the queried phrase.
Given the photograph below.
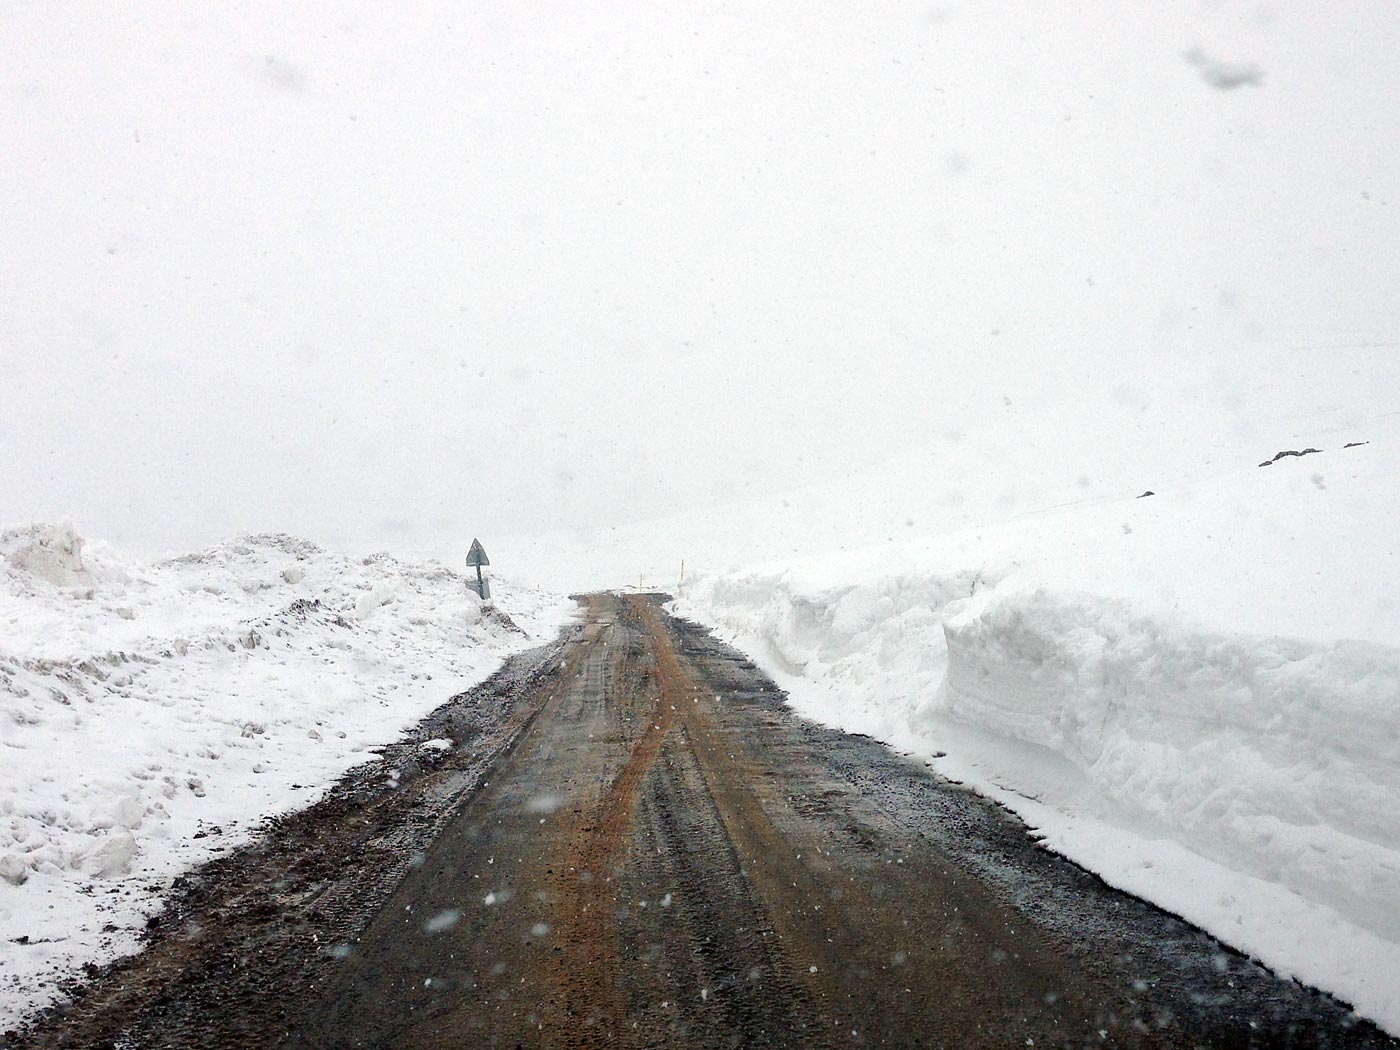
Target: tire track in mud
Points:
(718, 944)
(588, 966)
(725, 931)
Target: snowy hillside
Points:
(1202, 425)
(1195, 694)
(151, 714)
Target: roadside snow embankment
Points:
(1274, 757)
(864, 657)
(151, 715)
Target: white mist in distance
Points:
(401, 276)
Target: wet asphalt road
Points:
(634, 843)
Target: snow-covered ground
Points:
(152, 714)
(1196, 694)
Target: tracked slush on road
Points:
(634, 843)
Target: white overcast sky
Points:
(371, 271)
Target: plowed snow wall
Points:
(1272, 756)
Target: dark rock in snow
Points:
(1289, 452)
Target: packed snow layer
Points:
(1249, 781)
(151, 715)
(1274, 756)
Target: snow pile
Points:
(53, 553)
(1276, 757)
(861, 656)
(1246, 779)
(150, 712)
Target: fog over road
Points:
(632, 842)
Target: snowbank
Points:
(865, 657)
(1275, 757)
(1249, 781)
(52, 553)
(150, 714)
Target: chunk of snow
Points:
(125, 812)
(112, 855)
(52, 553)
(13, 869)
(379, 595)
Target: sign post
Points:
(477, 556)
